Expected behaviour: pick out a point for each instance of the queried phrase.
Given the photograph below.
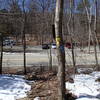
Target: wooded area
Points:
(58, 34)
(40, 17)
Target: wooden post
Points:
(60, 49)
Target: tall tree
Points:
(95, 35)
(71, 29)
(85, 7)
(60, 49)
(23, 34)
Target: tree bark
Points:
(60, 49)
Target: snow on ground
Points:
(13, 87)
(85, 87)
(37, 98)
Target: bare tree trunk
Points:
(71, 31)
(50, 59)
(60, 49)
(1, 55)
(95, 50)
(24, 47)
(89, 41)
(96, 18)
(95, 33)
(72, 16)
(24, 39)
(73, 56)
(89, 15)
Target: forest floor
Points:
(45, 85)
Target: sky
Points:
(5, 4)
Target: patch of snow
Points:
(37, 98)
(85, 87)
(13, 87)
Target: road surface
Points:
(38, 57)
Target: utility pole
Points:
(1, 53)
(60, 49)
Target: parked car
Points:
(12, 42)
(53, 46)
(45, 46)
(68, 45)
(8, 42)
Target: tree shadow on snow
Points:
(89, 96)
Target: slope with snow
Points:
(13, 87)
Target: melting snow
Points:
(85, 87)
(13, 87)
(37, 98)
